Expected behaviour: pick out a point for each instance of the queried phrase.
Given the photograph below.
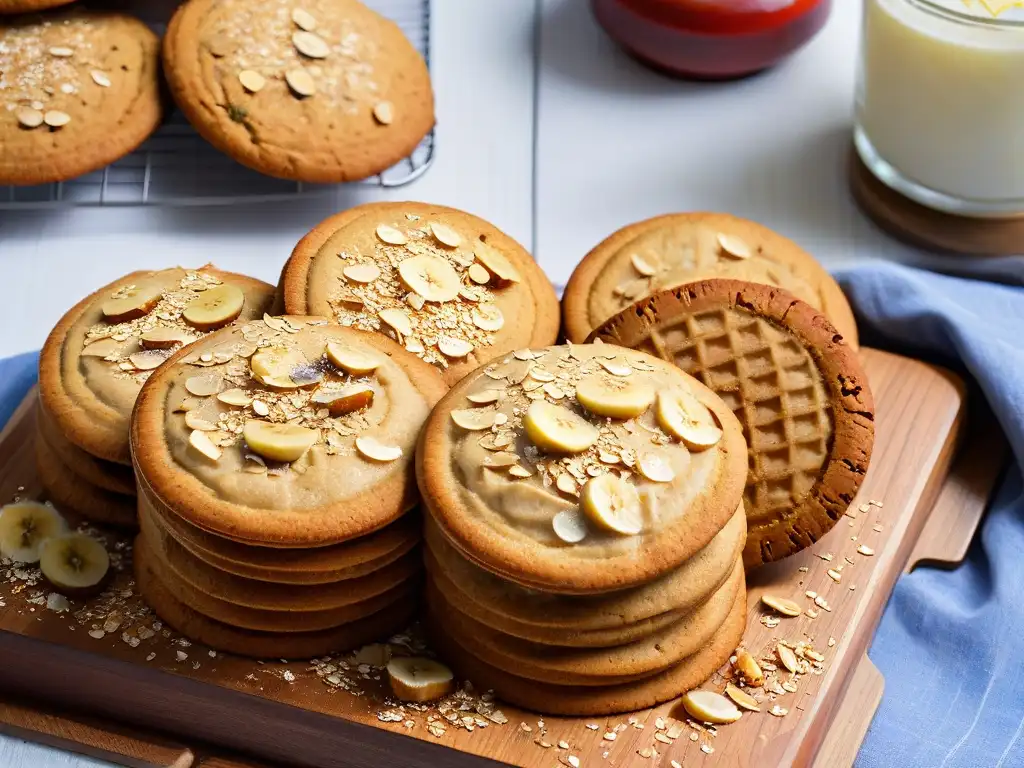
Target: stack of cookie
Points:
(274, 462)
(585, 529)
(95, 361)
(761, 323)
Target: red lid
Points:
(721, 17)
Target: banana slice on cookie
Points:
(274, 366)
(556, 429)
(132, 303)
(617, 398)
(74, 563)
(418, 679)
(24, 526)
(431, 277)
(214, 307)
(278, 442)
(349, 398)
(685, 417)
(350, 360)
(613, 504)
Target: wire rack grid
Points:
(175, 166)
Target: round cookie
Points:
(298, 645)
(27, 6)
(326, 91)
(116, 478)
(592, 666)
(81, 91)
(585, 617)
(273, 476)
(793, 382)
(269, 596)
(451, 287)
(348, 560)
(567, 700)
(509, 458)
(668, 251)
(93, 365)
(263, 620)
(70, 493)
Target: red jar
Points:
(711, 39)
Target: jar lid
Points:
(722, 17)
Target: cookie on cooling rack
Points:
(795, 385)
(82, 90)
(312, 90)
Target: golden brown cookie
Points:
(81, 91)
(319, 91)
(582, 619)
(793, 382)
(668, 251)
(72, 494)
(561, 665)
(95, 361)
(263, 620)
(107, 475)
(296, 645)
(570, 700)
(580, 469)
(452, 288)
(270, 596)
(244, 444)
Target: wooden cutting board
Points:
(211, 709)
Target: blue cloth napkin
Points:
(951, 643)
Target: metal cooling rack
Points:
(175, 166)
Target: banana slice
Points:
(431, 277)
(139, 301)
(74, 563)
(214, 307)
(495, 262)
(345, 400)
(273, 366)
(414, 678)
(557, 429)
(613, 504)
(279, 442)
(710, 707)
(165, 337)
(685, 417)
(618, 398)
(351, 360)
(24, 526)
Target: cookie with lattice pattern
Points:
(793, 382)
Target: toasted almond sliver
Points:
(567, 485)
(787, 657)
(101, 348)
(865, 550)
(484, 398)
(260, 408)
(641, 265)
(748, 668)
(62, 52)
(362, 273)
(300, 81)
(390, 235)
(194, 421)
(781, 605)
(487, 317)
(56, 119)
(29, 117)
(384, 112)
(310, 44)
(203, 385)
(100, 78)
(374, 449)
(710, 707)
(615, 368)
(454, 348)
(741, 698)
(445, 234)
(478, 274)
(147, 361)
(202, 443)
(398, 319)
(519, 471)
(235, 396)
(474, 419)
(303, 19)
(734, 246)
(251, 80)
(500, 459)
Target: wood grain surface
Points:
(246, 707)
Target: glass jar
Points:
(711, 39)
(940, 103)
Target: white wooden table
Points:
(558, 141)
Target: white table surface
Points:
(614, 143)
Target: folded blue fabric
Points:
(17, 375)
(951, 643)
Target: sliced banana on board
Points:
(278, 442)
(24, 526)
(685, 417)
(556, 429)
(613, 504)
(214, 307)
(74, 563)
(710, 707)
(618, 398)
(418, 679)
(139, 301)
(431, 277)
